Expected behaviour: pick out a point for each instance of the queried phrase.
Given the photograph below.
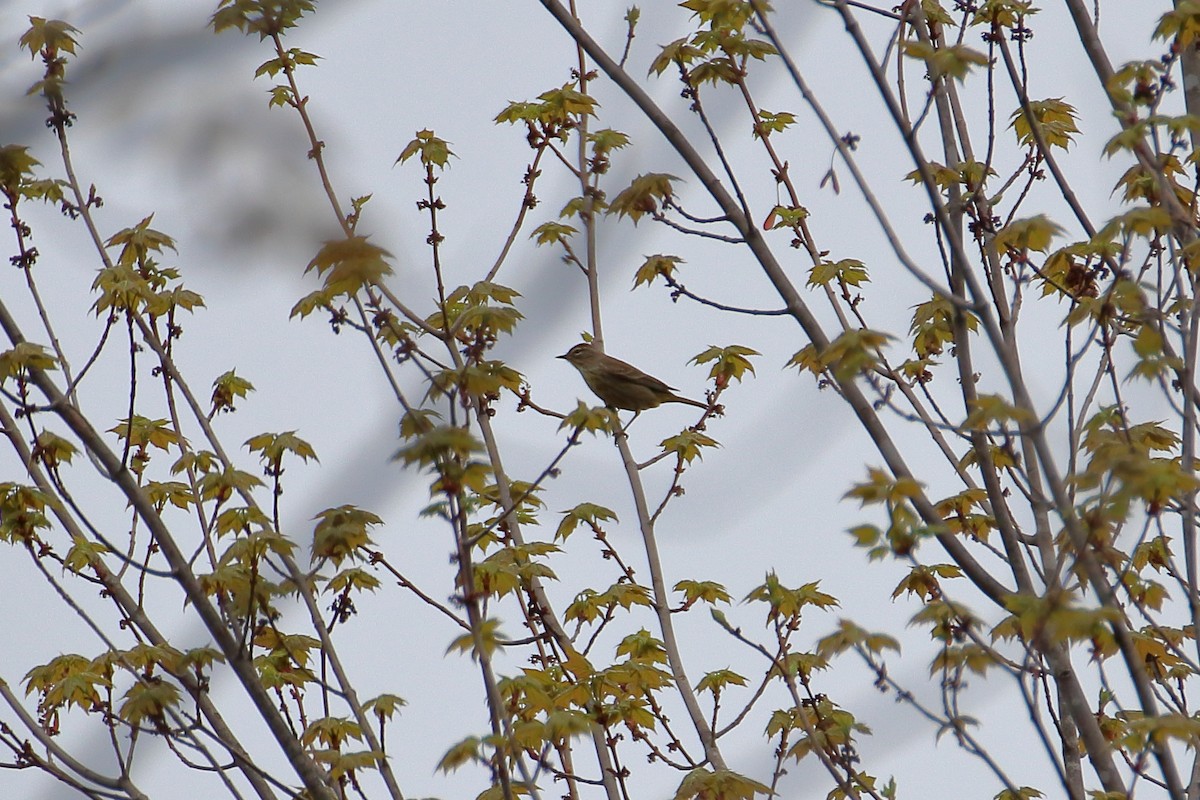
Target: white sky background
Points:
(171, 122)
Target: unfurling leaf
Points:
(433, 151)
(351, 263)
(643, 195)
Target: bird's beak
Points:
(564, 355)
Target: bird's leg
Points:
(621, 429)
(618, 430)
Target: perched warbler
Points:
(621, 385)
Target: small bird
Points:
(621, 385)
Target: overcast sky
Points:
(170, 121)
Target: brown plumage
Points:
(621, 385)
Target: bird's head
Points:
(582, 353)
